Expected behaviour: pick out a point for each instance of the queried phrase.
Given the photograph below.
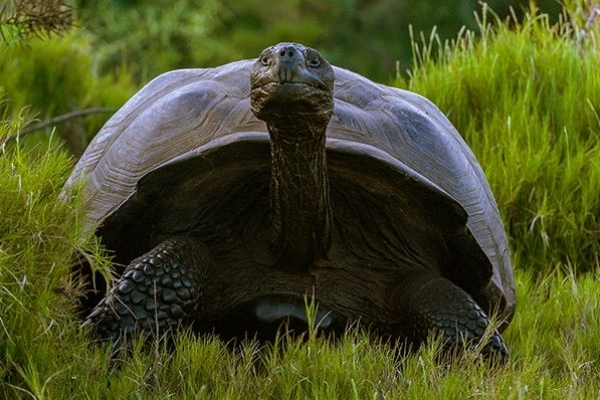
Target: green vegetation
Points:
(149, 37)
(22, 19)
(366, 36)
(527, 99)
(54, 77)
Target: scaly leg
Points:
(427, 302)
(160, 290)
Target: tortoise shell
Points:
(188, 140)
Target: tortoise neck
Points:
(300, 203)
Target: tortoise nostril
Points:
(288, 54)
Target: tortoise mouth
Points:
(290, 97)
(309, 85)
(290, 89)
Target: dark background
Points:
(370, 37)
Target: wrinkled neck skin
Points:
(299, 190)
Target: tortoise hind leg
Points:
(428, 302)
(158, 291)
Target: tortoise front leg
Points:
(427, 302)
(160, 290)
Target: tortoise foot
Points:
(157, 291)
(434, 304)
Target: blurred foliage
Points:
(367, 36)
(151, 37)
(56, 76)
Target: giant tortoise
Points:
(228, 195)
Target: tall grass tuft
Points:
(38, 236)
(526, 97)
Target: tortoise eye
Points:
(314, 63)
(265, 60)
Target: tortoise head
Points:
(291, 79)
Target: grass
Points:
(526, 100)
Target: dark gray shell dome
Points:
(183, 126)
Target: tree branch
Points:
(37, 18)
(57, 120)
